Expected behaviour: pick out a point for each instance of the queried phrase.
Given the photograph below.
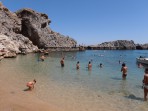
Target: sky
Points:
(91, 22)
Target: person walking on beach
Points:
(62, 62)
(124, 70)
(145, 84)
(89, 65)
(31, 84)
(77, 65)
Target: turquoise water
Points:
(82, 90)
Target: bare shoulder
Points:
(146, 75)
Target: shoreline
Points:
(74, 96)
(14, 99)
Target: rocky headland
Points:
(29, 30)
(119, 45)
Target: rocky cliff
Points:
(119, 44)
(30, 30)
(10, 37)
(35, 26)
(142, 46)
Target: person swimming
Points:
(101, 65)
(119, 61)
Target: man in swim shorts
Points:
(145, 84)
(124, 71)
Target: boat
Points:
(143, 60)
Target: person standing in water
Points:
(101, 65)
(89, 66)
(145, 84)
(42, 57)
(62, 62)
(124, 71)
(119, 61)
(77, 65)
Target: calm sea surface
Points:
(100, 89)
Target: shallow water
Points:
(100, 89)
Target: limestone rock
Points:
(142, 46)
(119, 44)
(11, 38)
(35, 26)
(29, 30)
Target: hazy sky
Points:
(92, 21)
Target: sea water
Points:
(99, 89)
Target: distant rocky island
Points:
(119, 45)
(29, 30)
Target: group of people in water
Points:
(78, 64)
(145, 78)
(124, 70)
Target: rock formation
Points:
(29, 30)
(35, 26)
(119, 44)
(142, 46)
(11, 38)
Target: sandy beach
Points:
(14, 99)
